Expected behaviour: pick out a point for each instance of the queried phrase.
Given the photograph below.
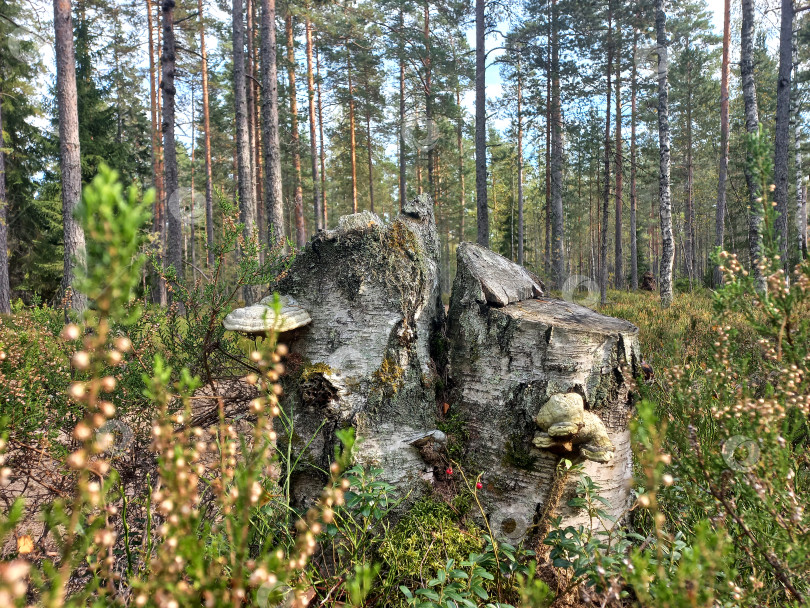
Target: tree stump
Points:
(535, 379)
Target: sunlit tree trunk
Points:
(352, 135)
(300, 226)
(5, 289)
(603, 277)
(370, 158)
(274, 202)
(402, 163)
(664, 197)
(720, 212)
(633, 153)
(313, 143)
(481, 126)
(619, 248)
(247, 202)
(320, 142)
(801, 188)
(519, 163)
(557, 234)
(174, 242)
(751, 125)
(209, 181)
(782, 135)
(69, 154)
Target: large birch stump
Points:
(536, 379)
(372, 292)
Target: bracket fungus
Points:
(564, 423)
(260, 319)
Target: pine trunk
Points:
(603, 277)
(547, 172)
(664, 198)
(352, 136)
(402, 163)
(313, 145)
(320, 140)
(174, 242)
(801, 193)
(460, 148)
(69, 153)
(5, 289)
(782, 135)
(295, 140)
(274, 202)
(247, 202)
(557, 249)
(209, 181)
(689, 214)
(370, 158)
(481, 126)
(619, 249)
(519, 164)
(720, 215)
(751, 125)
(633, 152)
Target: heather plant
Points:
(194, 547)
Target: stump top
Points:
(502, 281)
(561, 313)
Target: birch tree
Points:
(664, 196)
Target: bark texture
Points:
(174, 243)
(481, 126)
(720, 212)
(209, 186)
(295, 143)
(664, 195)
(69, 154)
(247, 201)
(372, 292)
(313, 141)
(506, 362)
(557, 253)
(5, 290)
(782, 135)
(274, 202)
(751, 125)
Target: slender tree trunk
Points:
(256, 129)
(209, 180)
(782, 135)
(619, 249)
(519, 163)
(402, 163)
(191, 215)
(158, 287)
(481, 126)
(300, 226)
(175, 236)
(320, 140)
(633, 153)
(5, 289)
(751, 125)
(719, 220)
(603, 277)
(801, 193)
(460, 148)
(352, 136)
(428, 84)
(247, 202)
(250, 94)
(274, 201)
(70, 157)
(313, 146)
(370, 158)
(689, 214)
(665, 201)
(557, 235)
(547, 171)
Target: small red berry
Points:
(449, 470)
(479, 485)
